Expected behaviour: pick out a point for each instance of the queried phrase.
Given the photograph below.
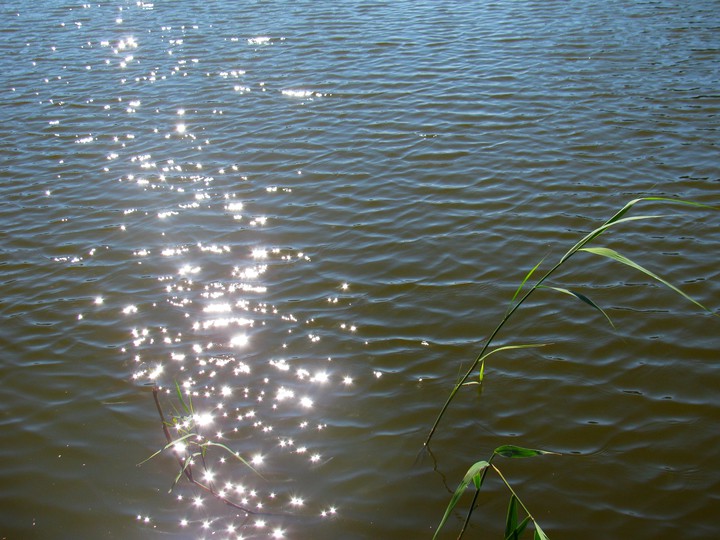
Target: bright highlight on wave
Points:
(239, 341)
(259, 253)
(294, 93)
(260, 40)
(227, 413)
(203, 419)
(297, 93)
(234, 408)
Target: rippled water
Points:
(308, 215)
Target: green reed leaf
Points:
(618, 218)
(522, 284)
(190, 404)
(517, 532)
(180, 397)
(582, 298)
(176, 415)
(506, 348)
(507, 484)
(149, 458)
(612, 254)
(511, 519)
(539, 533)
(235, 455)
(674, 201)
(168, 445)
(185, 466)
(592, 235)
(474, 474)
(512, 451)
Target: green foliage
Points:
(477, 472)
(187, 408)
(476, 475)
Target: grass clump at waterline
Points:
(190, 445)
(477, 472)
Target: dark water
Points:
(309, 214)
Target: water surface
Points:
(309, 215)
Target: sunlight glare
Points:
(239, 340)
(203, 419)
(306, 402)
(259, 253)
(321, 377)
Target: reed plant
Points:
(527, 288)
(476, 475)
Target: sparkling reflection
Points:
(245, 384)
(237, 414)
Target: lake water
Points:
(308, 215)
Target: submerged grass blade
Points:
(582, 298)
(612, 254)
(474, 474)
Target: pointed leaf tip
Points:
(539, 533)
(470, 476)
(512, 517)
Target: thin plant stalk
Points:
(470, 512)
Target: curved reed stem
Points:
(616, 219)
